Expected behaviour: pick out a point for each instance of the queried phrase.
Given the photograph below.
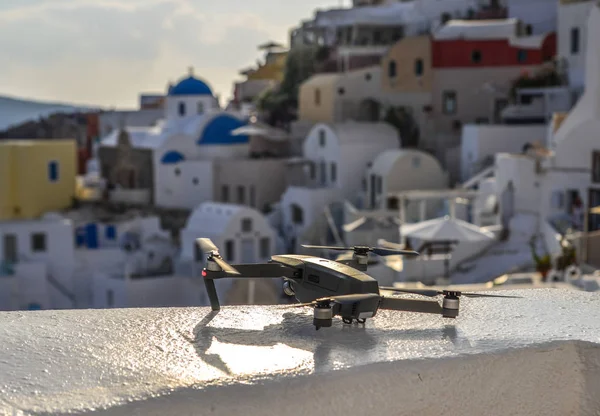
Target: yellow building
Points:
(36, 176)
(272, 70)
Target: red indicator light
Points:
(204, 273)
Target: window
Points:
(419, 67)
(241, 194)
(575, 40)
(333, 172)
(528, 30)
(368, 76)
(246, 225)
(53, 172)
(265, 247)
(392, 69)
(110, 232)
(449, 102)
(521, 55)
(195, 181)
(476, 56)
(376, 37)
(323, 172)
(317, 96)
(596, 166)
(229, 250)
(200, 108)
(322, 138)
(392, 203)
(312, 170)
(110, 298)
(38, 242)
(177, 172)
(181, 109)
(379, 185)
(225, 193)
(341, 91)
(297, 214)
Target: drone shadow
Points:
(297, 331)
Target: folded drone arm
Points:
(256, 271)
(410, 305)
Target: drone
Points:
(332, 288)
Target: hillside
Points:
(14, 111)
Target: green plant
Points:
(543, 263)
(548, 77)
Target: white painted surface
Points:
(248, 360)
(477, 29)
(58, 257)
(185, 184)
(574, 15)
(480, 141)
(110, 121)
(350, 146)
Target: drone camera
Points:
(288, 288)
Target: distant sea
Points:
(14, 111)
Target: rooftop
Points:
(537, 354)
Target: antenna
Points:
(191, 71)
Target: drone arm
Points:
(410, 305)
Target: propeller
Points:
(207, 246)
(433, 293)
(380, 251)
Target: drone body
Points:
(332, 288)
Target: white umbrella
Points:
(446, 229)
(259, 130)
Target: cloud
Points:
(107, 51)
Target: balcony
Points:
(537, 354)
(537, 105)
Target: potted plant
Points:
(543, 264)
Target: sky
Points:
(107, 52)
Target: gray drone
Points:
(332, 288)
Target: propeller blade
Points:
(327, 247)
(484, 295)
(423, 292)
(227, 268)
(296, 305)
(380, 251)
(206, 245)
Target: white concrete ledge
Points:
(535, 355)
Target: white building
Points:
(39, 264)
(400, 170)
(481, 142)
(340, 153)
(572, 38)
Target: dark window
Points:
(575, 40)
(376, 37)
(528, 30)
(246, 225)
(317, 96)
(195, 181)
(53, 171)
(476, 56)
(111, 232)
(297, 214)
(392, 69)
(182, 109)
(312, 170)
(449, 102)
(596, 166)
(241, 194)
(368, 76)
(419, 67)
(393, 203)
(379, 184)
(177, 172)
(229, 250)
(265, 247)
(252, 196)
(225, 193)
(521, 55)
(333, 172)
(38, 242)
(322, 138)
(341, 91)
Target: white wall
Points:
(519, 170)
(481, 141)
(194, 105)
(571, 16)
(540, 14)
(179, 190)
(59, 255)
(113, 120)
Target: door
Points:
(248, 250)
(594, 219)
(10, 248)
(373, 190)
(508, 204)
